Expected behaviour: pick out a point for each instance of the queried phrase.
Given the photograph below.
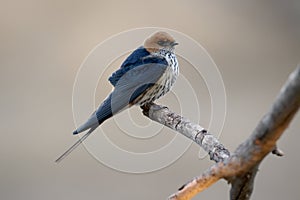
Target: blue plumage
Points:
(138, 72)
(147, 74)
(137, 58)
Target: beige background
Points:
(254, 43)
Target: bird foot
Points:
(154, 108)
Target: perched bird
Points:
(147, 74)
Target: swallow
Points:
(148, 73)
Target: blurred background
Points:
(255, 45)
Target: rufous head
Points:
(160, 40)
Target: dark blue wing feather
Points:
(139, 72)
(139, 57)
(134, 83)
(135, 57)
(103, 112)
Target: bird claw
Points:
(154, 107)
(146, 108)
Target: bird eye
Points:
(163, 43)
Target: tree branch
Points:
(264, 137)
(195, 132)
(198, 184)
(240, 168)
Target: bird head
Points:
(160, 41)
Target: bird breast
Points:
(164, 84)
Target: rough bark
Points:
(195, 132)
(240, 167)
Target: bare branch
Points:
(277, 152)
(270, 128)
(242, 186)
(198, 184)
(195, 132)
(241, 167)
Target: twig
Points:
(198, 184)
(195, 132)
(277, 152)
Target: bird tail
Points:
(66, 153)
(98, 117)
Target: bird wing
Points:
(133, 60)
(129, 87)
(137, 58)
(134, 83)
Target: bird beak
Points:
(174, 44)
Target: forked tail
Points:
(74, 146)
